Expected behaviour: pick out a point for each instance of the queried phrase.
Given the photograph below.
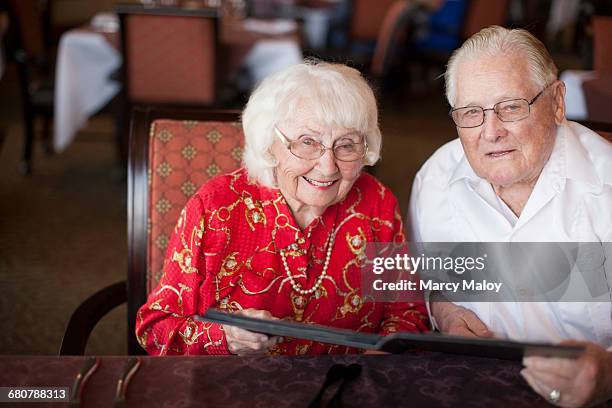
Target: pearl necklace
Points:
(296, 286)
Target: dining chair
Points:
(441, 32)
(172, 152)
(598, 91)
(392, 35)
(367, 18)
(484, 13)
(30, 21)
(456, 21)
(170, 59)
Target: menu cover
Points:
(395, 343)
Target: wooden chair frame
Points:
(134, 289)
(29, 64)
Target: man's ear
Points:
(558, 102)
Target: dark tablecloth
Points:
(415, 379)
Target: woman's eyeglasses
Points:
(306, 147)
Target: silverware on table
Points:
(90, 365)
(131, 366)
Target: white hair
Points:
(338, 96)
(496, 40)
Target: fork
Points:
(131, 366)
(87, 369)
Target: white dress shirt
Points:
(571, 202)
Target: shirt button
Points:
(301, 241)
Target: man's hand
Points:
(244, 342)
(456, 320)
(581, 382)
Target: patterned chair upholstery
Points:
(183, 155)
(170, 59)
(172, 153)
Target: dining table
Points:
(415, 379)
(89, 57)
(575, 99)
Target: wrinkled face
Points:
(320, 182)
(506, 153)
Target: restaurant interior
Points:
(77, 75)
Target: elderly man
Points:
(520, 172)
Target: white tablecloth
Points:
(85, 62)
(563, 13)
(316, 26)
(575, 103)
(270, 56)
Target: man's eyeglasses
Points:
(306, 147)
(511, 110)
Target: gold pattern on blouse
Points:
(242, 275)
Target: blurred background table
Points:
(89, 59)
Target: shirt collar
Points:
(463, 170)
(578, 164)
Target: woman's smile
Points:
(320, 184)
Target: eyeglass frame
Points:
(287, 143)
(529, 103)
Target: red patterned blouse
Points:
(225, 252)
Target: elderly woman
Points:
(284, 237)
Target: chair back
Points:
(367, 18)
(484, 13)
(393, 31)
(598, 95)
(602, 44)
(172, 153)
(30, 19)
(457, 20)
(444, 29)
(169, 55)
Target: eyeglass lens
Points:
(307, 148)
(507, 111)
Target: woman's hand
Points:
(581, 382)
(456, 320)
(244, 342)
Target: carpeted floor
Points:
(63, 229)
